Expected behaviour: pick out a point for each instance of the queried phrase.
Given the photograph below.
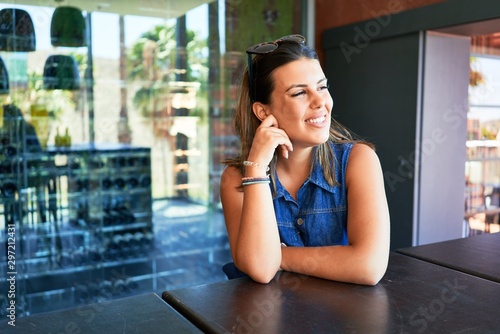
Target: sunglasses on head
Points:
(268, 47)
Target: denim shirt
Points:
(319, 216)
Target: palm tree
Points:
(151, 60)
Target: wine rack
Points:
(79, 214)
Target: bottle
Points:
(111, 251)
(133, 243)
(121, 161)
(67, 138)
(115, 218)
(106, 183)
(5, 168)
(93, 289)
(119, 287)
(139, 243)
(4, 140)
(8, 188)
(110, 255)
(79, 257)
(131, 285)
(94, 255)
(148, 242)
(126, 216)
(74, 163)
(119, 183)
(82, 184)
(107, 288)
(133, 182)
(107, 220)
(81, 294)
(145, 181)
(145, 161)
(9, 151)
(65, 260)
(123, 244)
(58, 140)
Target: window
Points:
(110, 171)
(483, 145)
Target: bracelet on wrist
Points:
(254, 164)
(246, 181)
(257, 178)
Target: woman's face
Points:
(301, 102)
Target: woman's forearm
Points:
(340, 263)
(258, 251)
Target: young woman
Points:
(303, 196)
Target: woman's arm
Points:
(251, 226)
(249, 215)
(364, 259)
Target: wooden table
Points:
(138, 314)
(477, 255)
(414, 296)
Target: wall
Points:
(336, 13)
(382, 92)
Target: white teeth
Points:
(316, 120)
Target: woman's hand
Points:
(267, 138)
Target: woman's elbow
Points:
(371, 278)
(261, 277)
(259, 272)
(372, 270)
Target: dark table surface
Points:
(143, 314)
(414, 296)
(477, 255)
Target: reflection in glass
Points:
(482, 172)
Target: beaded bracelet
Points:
(245, 181)
(254, 164)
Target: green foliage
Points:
(56, 101)
(488, 133)
(260, 21)
(151, 60)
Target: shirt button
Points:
(300, 221)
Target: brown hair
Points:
(246, 123)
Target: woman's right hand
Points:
(267, 138)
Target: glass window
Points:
(483, 144)
(113, 129)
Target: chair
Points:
(232, 272)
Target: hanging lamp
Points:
(17, 32)
(4, 78)
(61, 72)
(67, 27)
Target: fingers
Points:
(286, 146)
(284, 150)
(269, 121)
(272, 136)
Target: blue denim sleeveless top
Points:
(319, 216)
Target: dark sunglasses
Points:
(268, 47)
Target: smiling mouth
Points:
(316, 120)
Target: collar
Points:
(315, 177)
